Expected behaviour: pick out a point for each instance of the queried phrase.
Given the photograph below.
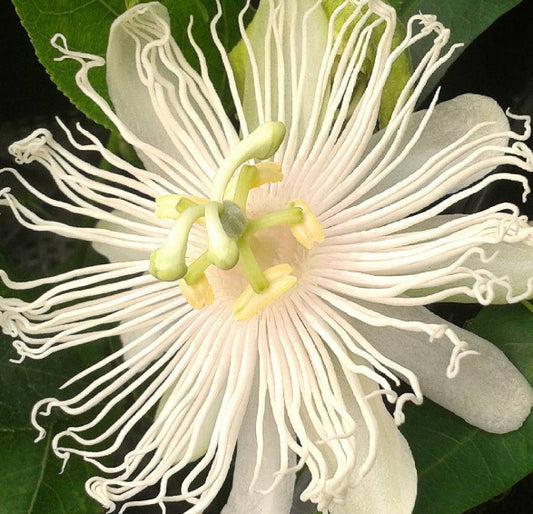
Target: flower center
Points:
(230, 230)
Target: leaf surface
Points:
(30, 479)
(86, 27)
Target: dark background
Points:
(498, 64)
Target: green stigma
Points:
(260, 144)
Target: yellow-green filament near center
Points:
(184, 204)
(248, 262)
(253, 272)
(287, 216)
(197, 268)
(244, 184)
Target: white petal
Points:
(129, 337)
(391, 483)
(163, 101)
(511, 260)
(205, 432)
(489, 392)
(130, 97)
(288, 41)
(118, 253)
(504, 271)
(242, 500)
(449, 121)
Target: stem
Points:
(527, 305)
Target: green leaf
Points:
(30, 482)
(5, 264)
(465, 19)
(403, 7)
(460, 466)
(86, 28)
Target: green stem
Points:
(527, 305)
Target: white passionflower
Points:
(268, 281)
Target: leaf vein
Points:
(41, 474)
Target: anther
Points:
(199, 294)
(308, 231)
(249, 303)
(171, 206)
(268, 172)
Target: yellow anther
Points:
(199, 294)
(171, 206)
(166, 206)
(308, 231)
(250, 303)
(267, 172)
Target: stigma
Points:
(230, 230)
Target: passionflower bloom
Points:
(268, 281)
